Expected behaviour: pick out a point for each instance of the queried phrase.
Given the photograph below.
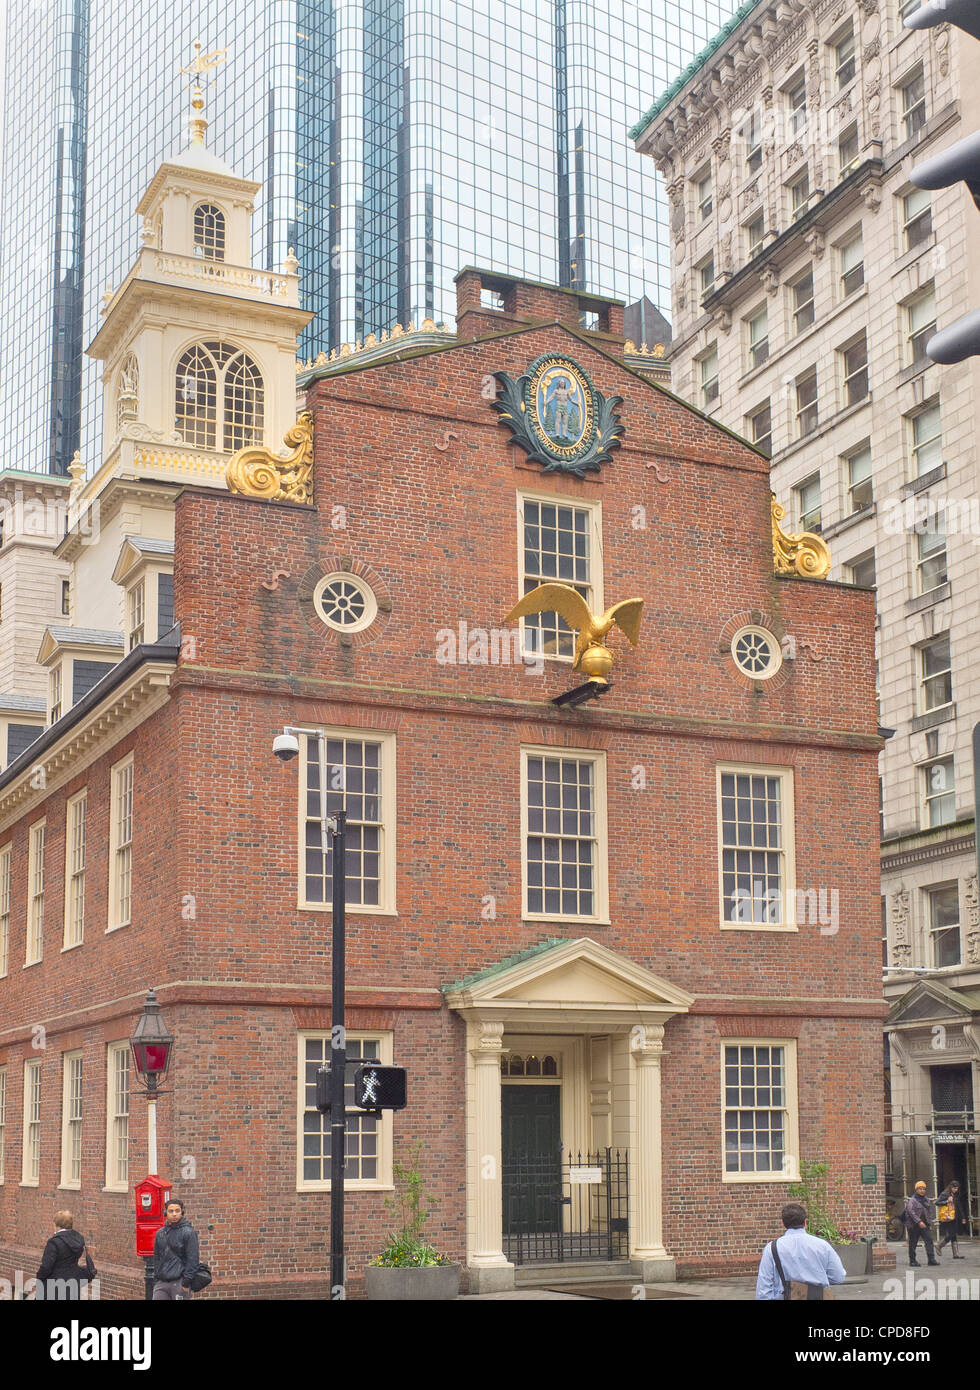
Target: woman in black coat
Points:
(951, 1196)
(60, 1275)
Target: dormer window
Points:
(55, 694)
(209, 232)
(209, 373)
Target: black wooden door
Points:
(531, 1152)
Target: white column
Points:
(646, 1205)
(485, 1046)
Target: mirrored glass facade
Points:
(396, 142)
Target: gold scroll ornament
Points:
(805, 554)
(257, 472)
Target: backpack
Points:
(200, 1279)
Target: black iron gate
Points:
(566, 1207)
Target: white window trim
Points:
(931, 932)
(36, 835)
(601, 867)
(594, 510)
(115, 772)
(925, 799)
(385, 1181)
(792, 1111)
(31, 1068)
(112, 1052)
(67, 1183)
(79, 799)
(921, 677)
(6, 861)
(914, 448)
(389, 810)
(787, 799)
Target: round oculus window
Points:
(345, 603)
(756, 652)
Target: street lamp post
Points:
(151, 1046)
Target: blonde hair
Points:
(64, 1219)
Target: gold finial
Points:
(76, 471)
(201, 63)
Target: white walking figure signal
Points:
(369, 1084)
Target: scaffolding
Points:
(912, 1141)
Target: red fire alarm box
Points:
(152, 1196)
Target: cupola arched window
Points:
(218, 395)
(209, 231)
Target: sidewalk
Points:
(905, 1283)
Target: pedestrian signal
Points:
(380, 1088)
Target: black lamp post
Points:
(151, 1044)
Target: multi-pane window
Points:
(117, 1116)
(704, 195)
(137, 614)
(755, 1109)
(927, 440)
(209, 374)
(806, 402)
(862, 570)
(939, 792)
(55, 688)
(66, 598)
(930, 562)
(5, 863)
(706, 274)
(920, 325)
(751, 133)
(709, 378)
(760, 428)
(35, 892)
(860, 481)
(916, 218)
(847, 151)
(758, 326)
(209, 232)
(799, 194)
(355, 772)
(3, 1121)
(796, 100)
(557, 542)
(884, 932)
(75, 870)
(854, 365)
(121, 845)
(31, 1163)
(563, 844)
(71, 1120)
(802, 292)
(851, 265)
(913, 91)
(365, 1137)
(845, 58)
(944, 925)
(754, 233)
(752, 818)
(935, 674)
(808, 502)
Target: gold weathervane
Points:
(590, 654)
(201, 63)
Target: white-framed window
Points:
(801, 293)
(845, 57)
(31, 1157)
(71, 1119)
(760, 1111)
(557, 540)
(799, 194)
(368, 1137)
(757, 326)
(121, 844)
(808, 502)
(760, 427)
(54, 685)
(861, 570)
(916, 218)
(920, 325)
(860, 479)
(943, 915)
(806, 403)
(751, 135)
(854, 371)
(756, 652)
(704, 194)
(3, 1123)
(925, 429)
(209, 232)
(848, 150)
(75, 869)
(938, 792)
(345, 602)
(851, 259)
(35, 894)
(137, 614)
(930, 559)
(935, 674)
(6, 857)
(218, 393)
(755, 848)
(709, 377)
(563, 834)
(117, 1117)
(706, 275)
(796, 103)
(913, 91)
(66, 598)
(755, 232)
(357, 767)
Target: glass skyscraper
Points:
(396, 141)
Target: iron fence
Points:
(563, 1207)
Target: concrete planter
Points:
(854, 1257)
(426, 1284)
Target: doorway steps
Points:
(573, 1272)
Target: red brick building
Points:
(645, 926)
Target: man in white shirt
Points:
(802, 1256)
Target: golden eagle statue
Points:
(590, 654)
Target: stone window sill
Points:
(921, 601)
(934, 717)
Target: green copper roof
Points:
(548, 945)
(692, 67)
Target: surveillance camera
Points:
(285, 746)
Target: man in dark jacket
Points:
(59, 1274)
(919, 1214)
(175, 1255)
